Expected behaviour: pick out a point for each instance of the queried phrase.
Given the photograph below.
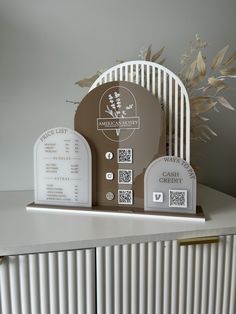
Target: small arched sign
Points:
(170, 186)
(62, 169)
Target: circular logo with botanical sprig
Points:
(118, 114)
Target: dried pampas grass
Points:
(205, 83)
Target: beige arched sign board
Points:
(124, 126)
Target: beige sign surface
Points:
(124, 126)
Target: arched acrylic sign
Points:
(170, 186)
(62, 168)
(125, 127)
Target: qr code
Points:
(125, 176)
(178, 198)
(125, 155)
(125, 197)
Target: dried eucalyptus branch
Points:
(205, 83)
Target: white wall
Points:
(45, 46)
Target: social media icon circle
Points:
(109, 155)
(110, 196)
(109, 176)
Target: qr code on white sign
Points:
(124, 155)
(178, 198)
(125, 197)
(125, 176)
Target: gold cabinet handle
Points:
(201, 240)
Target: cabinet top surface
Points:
(23, 231)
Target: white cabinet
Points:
(48, 283)
(166, 277)
(161, 277)
(115, 264)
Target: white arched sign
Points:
(62, 168)
(170, 186)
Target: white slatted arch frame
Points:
(171, 93)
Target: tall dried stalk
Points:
(205, 83)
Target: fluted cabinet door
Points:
(166, 278)
(48, 283)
